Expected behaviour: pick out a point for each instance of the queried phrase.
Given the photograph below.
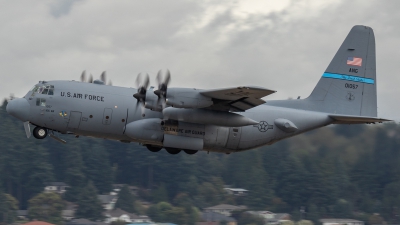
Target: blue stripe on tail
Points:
(349, 78)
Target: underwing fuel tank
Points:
(203, 116)
(147, 130)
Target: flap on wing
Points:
(345, 119)
(237, 99)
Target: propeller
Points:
(84, 77)
(103, 78)
(163, 82)
(141, 84)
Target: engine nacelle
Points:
(148, 131)
(152, 102)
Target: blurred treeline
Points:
(344, 171)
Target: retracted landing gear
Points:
(173, 151)
(190, 152)
(153, 148)
(40, 132)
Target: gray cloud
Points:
(205, 44)
(61, 7)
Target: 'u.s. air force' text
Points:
(83, 96)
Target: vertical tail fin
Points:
(348, 85)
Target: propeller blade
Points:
(161, 92)
(158, 78)
(141, 85)
(167, 78)
(146, 81)
(142, 109)
(27, 129)
(90, 79)
(83, 76)
(103, 76)
(137, 105)
(138, 80)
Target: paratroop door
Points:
(74, 119)
(107, 116)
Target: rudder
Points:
(348, 85)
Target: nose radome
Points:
(19, 108)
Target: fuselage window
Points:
(41, 102)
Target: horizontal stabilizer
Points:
(344, 119)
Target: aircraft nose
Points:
(19, 108)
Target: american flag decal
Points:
(354, 61)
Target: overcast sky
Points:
(283, 46)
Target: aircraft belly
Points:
(267, 132)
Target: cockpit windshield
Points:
(42, 89)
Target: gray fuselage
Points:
(103, 111)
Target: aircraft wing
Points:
(345, 119)
(237, 99)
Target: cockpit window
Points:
(42, 89)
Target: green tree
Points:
(247, 218)
(287, 223)
(74, 175)
(126, 200)
(97, 166)
(313, 214)
(160, 194)
(391, 202)
(165, 212)
(304, 222)
(176, 215)
(89, 206)
(46, 207)
(376, 219)
(259, 185)
(342, 209)
(8, 207)
(158, 212)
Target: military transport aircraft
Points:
(219, 120)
